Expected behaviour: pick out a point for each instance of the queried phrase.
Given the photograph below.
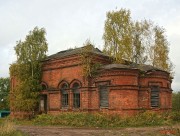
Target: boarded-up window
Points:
(103, 93)
(154, 96)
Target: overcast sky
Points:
(69, 23)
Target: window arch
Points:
(63, 82)
(44, 86)
(75, 81)
(64, 95)
(76, 95)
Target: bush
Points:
(72, 119)
(145, 119)
(175, 116)
(176, 101)
(79, 119)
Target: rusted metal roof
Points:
(115, 66)
(75, 51)
(126, 65)
(144, 67)
(141, 67)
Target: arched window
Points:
(76, 95)
(64, 94)
(44, 86)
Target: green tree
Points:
(176, 101)
(27, 70)
(140, 38)
(160, 50)
(118, 35)
(140, 42)
(4, 93)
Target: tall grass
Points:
(7, 129)
(78, 119)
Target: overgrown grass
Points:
(7, 129)
(78, 119)
(175, 116)
(96, 120)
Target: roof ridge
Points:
(69, 52)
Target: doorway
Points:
(43, 103)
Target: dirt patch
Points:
(62, 131)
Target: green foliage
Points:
(77, 119)
(146, 119)
(175, 116)
(27, 70)
(139, 34)
(74, 119)
(176, 101)
(4, 93)
(160, 50)
(89, 65)
(100, 120)
(135, 41)
(34, 47)
(117, 35)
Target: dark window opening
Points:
(103, 92)
(76, 95)
(43, 87)
(154, 96)
(64, 100)
(64, 94)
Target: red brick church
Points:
(118, 88)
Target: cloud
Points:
(7, 57)
(174, 40)
(69, 23)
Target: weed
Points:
(7, 129)
(79, 119)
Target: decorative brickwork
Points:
(128, 87)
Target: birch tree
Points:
(27, 69)
(117, 35)
(160, 50)
(140, 42)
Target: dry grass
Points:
(7, 128)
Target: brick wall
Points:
(128, 90)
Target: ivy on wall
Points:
(89, 65)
